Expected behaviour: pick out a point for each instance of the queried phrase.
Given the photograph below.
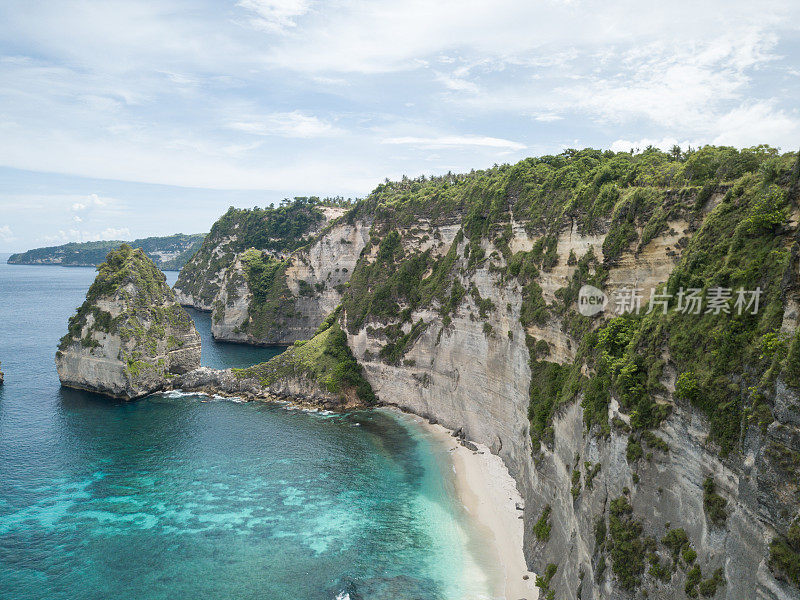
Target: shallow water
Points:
(185, 496)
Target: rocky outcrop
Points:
(232, 382)
(130, 337)
(275, 231)
(319, 372)
(305, 288)
(1, 377)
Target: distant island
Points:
(169, 253)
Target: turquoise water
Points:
(185, 496)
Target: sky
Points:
(127, 118)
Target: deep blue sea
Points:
(185, 496)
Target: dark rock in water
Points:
(346, 590)
(1, 376)
(130, 337)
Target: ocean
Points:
(188, 496)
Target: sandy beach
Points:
(490, 497)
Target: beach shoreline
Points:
(489, 496)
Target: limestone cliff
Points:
(265, 300)
(276, 231)
(657, 452)
(130, 336)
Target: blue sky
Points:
(121, 119)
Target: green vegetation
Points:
(784, 555)
(627, 547)
(86, 254)
(542, 527)
(591, 472)
(713, 503)
(543, 581)
(693, 578)
(576, 484)
(677, 541)
(325, 359)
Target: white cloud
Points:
(275, 15)
(112, 233)
(455, 141)
(750, 124)
(91, 201)
(151, 92)
(6, 234)
(665, 143)
(287, 124)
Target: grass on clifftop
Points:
(325, 359)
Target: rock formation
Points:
(657, 452)
(1, 376)
(271, 276)
(320, 372)
(130, 337)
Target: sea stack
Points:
(130, 337)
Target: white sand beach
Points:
(490, 497)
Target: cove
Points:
(178, 496)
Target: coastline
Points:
(489, 496)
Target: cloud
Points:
(449, 141)
(665, 143)
(77, 235)
(751, 123)
(274, 15)
(91, 201)
(293, 124)
(297, 94)
(112, 233)
(6, 234)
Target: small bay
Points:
(187, 496)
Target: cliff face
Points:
(630, 485)
(298, 293)
(275, 231)
(130, 336)
(275, 287)
(657, 452)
